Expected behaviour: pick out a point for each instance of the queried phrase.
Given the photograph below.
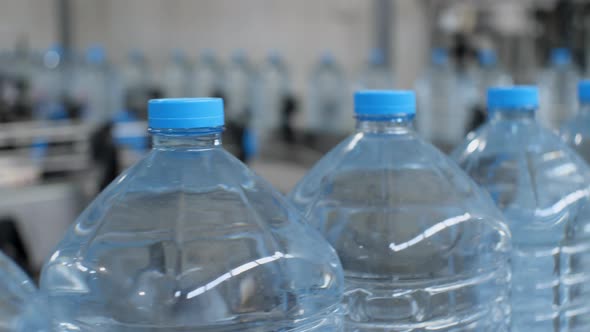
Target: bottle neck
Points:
(397, 124)
(512, 115)
(189, 139)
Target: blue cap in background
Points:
(377, 57)
(487, 57)
(274, 57)
(95, 54)
(439, 56)
(513, 98)
(584, 91)
(239, 56)
(327, 58)
(136, 55)
(185, 113)
(561, 56)
(384, 102)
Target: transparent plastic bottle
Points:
(90, 85)
(327, 99)
(273, 88)
(21, 306)
(238, 83)
(442, 117)
(49, 87)
(422, 247)
(189, 239)
(176, 76)
(207, 80)
(376, 74)
(136, 80)
(557, 86)
(489, 73)
(576, 130)
(542, 186)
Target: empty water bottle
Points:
(189, 239)
(558, 89)
(442, 117)
(207, 76)
(576, 131)
(542, 187)
(422, 247)
(176, 78)
(376, 74)
(90, 85)
(327, 101)
(21, 307)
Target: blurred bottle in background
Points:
(273, 94)
(542, 187)
(90, 85)
(239, 98)
(136, 79)
(17, 70)
(489, 73)
(49, 87)
(376, 74)
(576, 130)
(442, 116)
(327, 96)
(207, 76)
(422, 247)
(176, 76)
(557, 86)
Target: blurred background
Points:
(76, 75)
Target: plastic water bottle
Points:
(576, 130)
(442, 117)
(376, 74)
(273, 88)
(136, 78)
(189, 239)
(542, 187)
(422, 247)
(239, 92)
(207, 78)
(21, 307)
(90, 86)
(327, 99)
(489, 73)
(558, 89)
(176, 76)
(49, 86)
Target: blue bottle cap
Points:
(439, 56)
(185, 113)
(513, 98)
(384, 102)
(327, 58)
(584, 91)
(561, 56)
(377, 57)
(95, 54)
(487, 57)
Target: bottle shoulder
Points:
(200, 218)
(530, 173)
(393, 171)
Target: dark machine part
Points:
(12, 244)
(105, 155)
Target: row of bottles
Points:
(385, 232)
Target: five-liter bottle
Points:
(542, 186)
(422, 247)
